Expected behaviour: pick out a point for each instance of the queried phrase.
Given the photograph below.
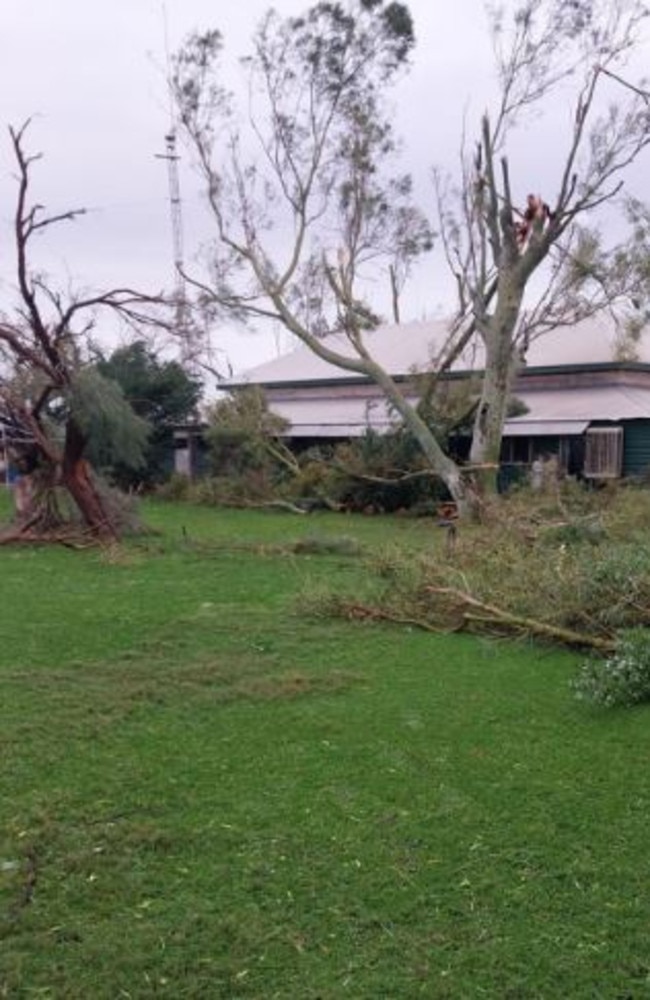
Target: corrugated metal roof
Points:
(545, 428)
(549, 412)
(616, 402)
(410, 346)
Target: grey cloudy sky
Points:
(93, 77)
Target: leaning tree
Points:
(308, 215)
(307, 209)
(52, 399)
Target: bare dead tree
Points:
(44, 373)
(495, 240)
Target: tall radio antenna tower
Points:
(182, 328)
(176, 214)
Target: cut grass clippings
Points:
(206, 794)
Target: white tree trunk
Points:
(501, 364)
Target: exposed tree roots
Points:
(70, 535)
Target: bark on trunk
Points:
(77, 479)
(491, 413)
(500, 370)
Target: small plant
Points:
(621, 679)
(589, 531)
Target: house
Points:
(582, 400)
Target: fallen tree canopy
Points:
(573, 570)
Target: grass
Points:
(206, 795)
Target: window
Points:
(604, 452)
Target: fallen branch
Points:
(405, 477)
(495, 617)
(292, 508)
(396, 480)
(274, 504)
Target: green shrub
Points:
(253, 485)
(613, 586)
(177, 487)
(621, 679)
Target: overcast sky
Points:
(92, 75)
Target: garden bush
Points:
(622, 678)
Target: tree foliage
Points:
(308, 214)
(244, 435)
(161, 394)
(114, 432)
(317, 165)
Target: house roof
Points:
(410, 346)
(615, 402)
(545, 428)
(550, 413)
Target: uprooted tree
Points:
(307, 214)
(52, 399)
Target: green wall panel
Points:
(636, 447)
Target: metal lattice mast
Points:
(183, 328)
(176, 215)
(176, 211)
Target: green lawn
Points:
(205, 795)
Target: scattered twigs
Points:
(363, 612)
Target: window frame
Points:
(603, 453)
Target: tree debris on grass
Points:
(574, 573)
